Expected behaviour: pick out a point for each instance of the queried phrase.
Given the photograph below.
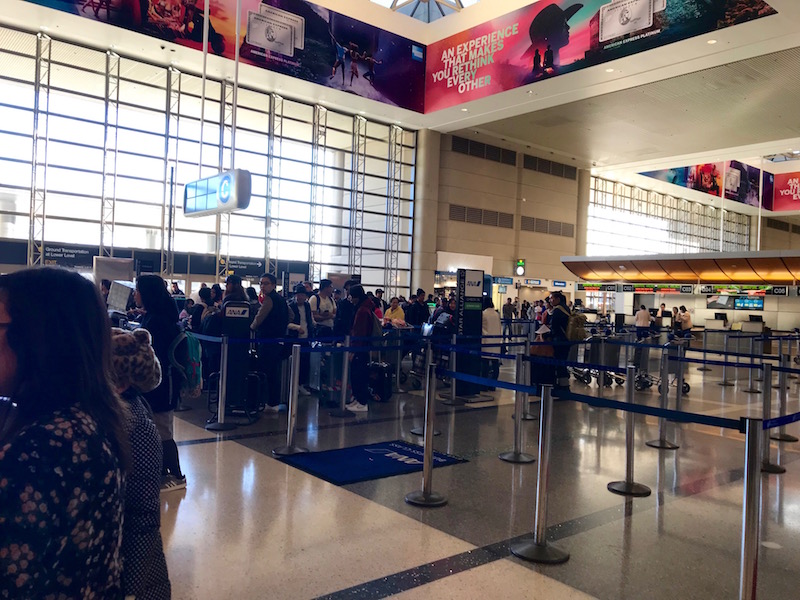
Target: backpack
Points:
(185, 355)
(576, 327)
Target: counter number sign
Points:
(520, 269)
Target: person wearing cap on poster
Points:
(301, 326)
(549, 32)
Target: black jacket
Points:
(294, 318)
(343, 321)
(163, 332)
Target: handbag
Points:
(540, 349)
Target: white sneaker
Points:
(351, 402)
(170, 483)
(276, 409)
(303, 390)
(357, 407)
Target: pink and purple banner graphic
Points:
(787, 192)
(547, 39)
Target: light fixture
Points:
(711, 42)
(520, 269)
(530, 92)
(464, 110)
(622, 268)
(609, 70)
(362, 112)
(795, 151)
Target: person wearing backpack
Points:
(161, 320)
(558, 323)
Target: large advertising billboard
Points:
(787, 192)
(547, 39)
(292, 37)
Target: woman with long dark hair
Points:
(63, 446)
(161, 320)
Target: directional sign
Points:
(245, 267)
(225, 192)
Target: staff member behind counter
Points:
(685, 320)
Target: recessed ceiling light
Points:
(464, 110)
(530, 92)
(361, 112)
(622, 267)
(609, 70)
(795, 151)
(712, 42)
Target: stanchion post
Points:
(751, 509)
(527, 415)
(342, 412)
(220, 424)
(294, 385)
(679, 376)
(452, 399)
(726, 339)
(629, 487)
(398, 371)
(789, 352)
(662, 442)
(517, 455)
(705, 352)
(783, 384)
(536, 549)
(777, 385)
(751, 388)
(766, 465)
(426, 496)
(428, 353)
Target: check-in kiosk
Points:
(236, 319)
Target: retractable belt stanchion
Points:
(537, 549)
(777, 384)
(662, 441)
(398, 369)
(789, 352)
(751, 388)
(705, 352)
(751, 509)
(527, 415)
(766, 465)
(451, 399)
(342, 411)
(725, 381)
(679, 376)
(781, 435)
(426, 496)
(220, 424)
(629, 487)
(428, 352)
(517, 455)
(294, 384)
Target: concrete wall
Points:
(480, 183)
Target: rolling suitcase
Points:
(380, 381)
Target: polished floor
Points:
(249, 526)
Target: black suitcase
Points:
(380, 381)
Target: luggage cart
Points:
(641, 360)
(672, 370)
(607, 355)
(582, 375)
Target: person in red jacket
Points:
(363, 326)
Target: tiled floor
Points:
(249, 526)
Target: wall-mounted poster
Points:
(550, 38)
(742, 183)
(292, 37)
(705, 178)
(787, 192)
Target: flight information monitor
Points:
(225, 192)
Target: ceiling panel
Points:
(772, 270)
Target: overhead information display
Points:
(225, 192)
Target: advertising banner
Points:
(705, 178)
(550, 38)
(292, 37)
(742, 183)
(787, 192)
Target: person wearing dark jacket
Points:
(301, 327)
(343, 321)
(200, 306)
(417, 312)
(363, 325)
(558, 331)
(161, 320)
(234, 291)
(135, 370)
(271, 323)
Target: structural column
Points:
(582, 223)
(426, 209)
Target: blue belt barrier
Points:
(778, 421)
(718, 363)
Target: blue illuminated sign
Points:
(562, 284)
(225, 192)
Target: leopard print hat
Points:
(133, 360)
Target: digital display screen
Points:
(749, 303)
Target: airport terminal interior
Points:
(626, 153)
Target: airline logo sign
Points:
(237, 312)
(474, 284)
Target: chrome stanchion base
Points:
(624, 488)
(772, 468)
(516, 457)
(527, 416)
(289, 450)
(420, 498)
(221, 426)
(662, 445)
(783, 437)
(421, 431)
(547, 554)
(752, 391)
(703, 368)
(726, 383)
(341, 414)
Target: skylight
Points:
(426, 10)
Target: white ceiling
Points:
(658, 109)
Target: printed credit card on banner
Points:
(294, 21)
(269, 34)
(659, 5)
(622, 17)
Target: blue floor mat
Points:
(363, 463)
